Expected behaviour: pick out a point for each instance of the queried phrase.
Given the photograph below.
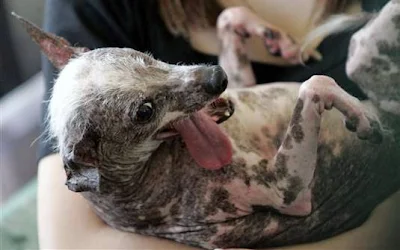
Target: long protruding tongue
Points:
(207, 143)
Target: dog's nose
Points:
(217, 81)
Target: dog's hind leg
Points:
(236, 25)
(296, 159)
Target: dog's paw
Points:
(367, 128)
(279, 43)
(244, 23)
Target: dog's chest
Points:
(254, 137)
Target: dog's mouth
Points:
(206, 141)
(219, 110)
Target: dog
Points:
(173, 151)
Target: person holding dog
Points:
(183, 31)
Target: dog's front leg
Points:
(233, 57)
(296, 159)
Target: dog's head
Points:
(374, 57)
(112, 107)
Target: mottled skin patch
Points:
(287, 143)
(220, 200)
(316, 98)
(297, 133)
(281, 165)
(297, 130)
(297, 112)
(262, 175)
(247, 97)
(294, 187)
(236, 78)
(242, 57)
(265, 131)
(375, 56)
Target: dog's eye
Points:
(145, 112)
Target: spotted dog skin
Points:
(374, 59)
(299, 171)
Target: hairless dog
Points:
(180, 152)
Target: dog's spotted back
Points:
(374, 58)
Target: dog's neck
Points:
(127, 179)
(121, 175)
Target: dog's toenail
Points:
(270, 34)
(243, 34)
(352, 123)
(275, 53)
(351, 126)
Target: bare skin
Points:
(363, 127)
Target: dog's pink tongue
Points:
(206, 142)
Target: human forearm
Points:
(66, 220)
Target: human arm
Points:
(66, 220)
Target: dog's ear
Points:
(81, 178)
(81, 165)
(57, 49)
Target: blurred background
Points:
(21, 93)
(21, 90)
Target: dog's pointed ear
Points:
(81, 165)
(57, 49)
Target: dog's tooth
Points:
(227, 113)
(148, 104)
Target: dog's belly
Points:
(211, 209)
(261, 118)
(196, 214)
(262, 114)
(342, 176)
